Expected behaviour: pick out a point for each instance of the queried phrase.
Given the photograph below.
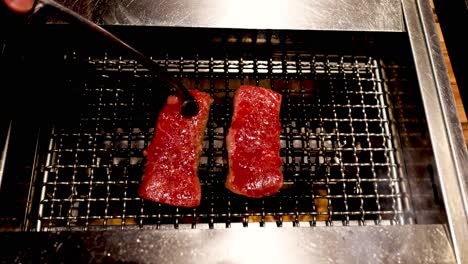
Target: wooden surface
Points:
(453, 82)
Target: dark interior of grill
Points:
(354, 143)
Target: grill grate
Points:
(340, 162)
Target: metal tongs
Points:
(189, 105)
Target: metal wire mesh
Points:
(340, 162)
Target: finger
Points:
(20, 6)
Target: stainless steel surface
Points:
(356, 15)
(337, 146)
(371, 244)
(445, 130)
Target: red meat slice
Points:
(170, 175)
(253, 143)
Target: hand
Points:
(19, 6)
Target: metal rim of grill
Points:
(337, 145)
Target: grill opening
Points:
(341, 164)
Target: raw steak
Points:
(170, 175)
(253, 143)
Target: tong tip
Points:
(190, 108)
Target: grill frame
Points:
(217, 76)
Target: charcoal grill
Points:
(361, 159)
